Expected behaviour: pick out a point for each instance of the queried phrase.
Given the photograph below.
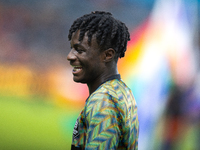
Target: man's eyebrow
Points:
(74, 45)
(78, 45)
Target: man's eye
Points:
(79, 50)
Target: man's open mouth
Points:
(77, 69)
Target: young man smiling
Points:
(109, 118)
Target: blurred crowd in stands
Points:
(35, 32)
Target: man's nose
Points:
(71, 56)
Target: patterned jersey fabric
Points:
(109, 119)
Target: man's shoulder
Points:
(105, 92)
(107, 89)
(110, 90)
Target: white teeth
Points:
(77, 68)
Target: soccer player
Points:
(109, 119)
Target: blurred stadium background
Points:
(39, 102)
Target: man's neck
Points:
(95, 84)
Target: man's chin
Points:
(78, 80)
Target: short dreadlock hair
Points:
(110, 33)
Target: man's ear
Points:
(108, 55)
